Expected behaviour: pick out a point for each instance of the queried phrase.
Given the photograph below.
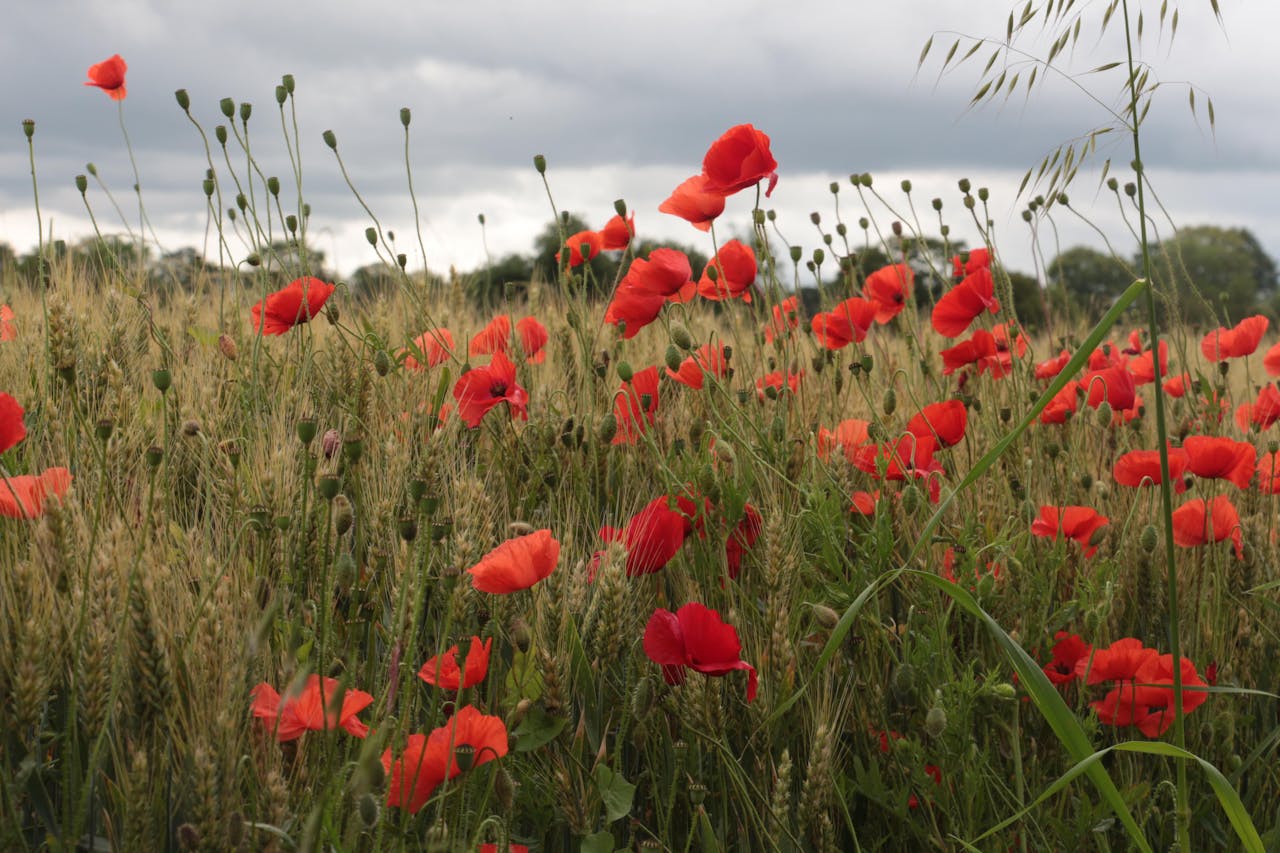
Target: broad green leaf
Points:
(616, 792)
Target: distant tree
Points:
(601, 270)
(1083, 283)
(374, 282)
(1214, 275)
(1028, 301)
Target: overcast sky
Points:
(623, 99)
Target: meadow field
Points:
(785, 551)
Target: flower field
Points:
(678, 560)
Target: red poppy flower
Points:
(26, 495)
(1262, 413)
(776, 381)
(494, 337)
(739, 159)
(1271, 361)
(1269, 473)
(848, 436)
(1069, 652)
(708, 359)
(635, 406)
(443, 669)
(943, 422)
(910, 456)
(887, 287)
(1113, 384)
(299, 302)
(1142, 468)
(979, 349)
(617, 233)
(1119, 661)
(12, 427)
(1080, 523)
(1197, 523)
(646, 287)
(1214, 458)
(692, 202)
(1052, 367)
(516, 564)
(978, 259)
(1176, 386)
(1062, 405)
(1240, 340)
(428, 760)
(784, 319)
(481, 388)
(695, 637)
(533, 338)
(7, 332)
(313, 709)
(846, 323)
(864, 503)
(735, 272)
(436, 345)
(591, 239)
(108, 76)
(1147, 701)
(651, 538)
(742, 539)
(1142, 365)
(961, 304)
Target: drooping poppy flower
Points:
(1063, 404)
(444, 671)
(846, 323)
(1069, 651)
(1139, 468)
(697, 638)
(436, 345)
(943, 422)
(1080, 523)
(864, 503)
(428, 760)
(1052, 367)
(1197, 523)
(516, 564)
(1176, 386)
(533, 339)
(1119, 661)
(730, 273)
(887, 287)
(481, 388)
(784, 319)
(617, 233)
(1143, 368)
(1147, 700)
(314, 709)
(978, 349)
(1269, 473)
(1236, 342)
(494, 337)
(635, 406)
(739, 159)
(12, 427)
(589, 239)
(742, 539)
(108, 76)
(848, 436)
(299, 302)
(646, 287)
(651, 538)
(692, 202)
(777, 381)
(960, 305)
(1215, 458)
(1115, 385)
(7, 332)
(26, 495)
(1261, 413)
(707, 360)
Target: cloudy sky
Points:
(623, 99)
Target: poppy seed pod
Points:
(246, 110)
(154, 455)
(330, 139)
(104, 428)
(826, 617)
(273, 185)
(367, 807)
(291, 222)
(343, 514)
(28, 127)
(607, 429)
(282, 95)
(381, 362)
(228, 107)
(405, 116)
(935, 722)
(328, 487)
(540, 163)
(220, 134)
(208, 186)
(162, 379)
(82, 183)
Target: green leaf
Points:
(616, 792)
(538, 728)
(600, 842)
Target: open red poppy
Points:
(961, 304)
(847, 323)
(635, 406)
(298, 302)
(1218, 458)
(740, 158)
(12, 427)
(313, 709)
(444, 671)
(428, 760)
(516, 564)
(108, 76)
(1240, 340)
(436, 345)
(1080, 523)
(694, 203)
(695, 637)
(734, 272)
(1198, 522)
(481, 388)
(652, 537)
(26, 495)
(887, 287)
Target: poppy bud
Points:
(220, 134)
(758, 216)
(796, 254)
(935, 722)
(937, 204)
(104, 428)
(1004, 690)
(154, 455)
(208, 186)
(273, 186)
(242, 202)
(82, 183)
(291, 222)
(254, 259)
(826, 617)
(407, 526)
(890, 401)
(903, 684)
(404, 116)
(328, 487)
(1148, 538)
(1086, 481)
(540, 163)
(282, 95)
(367, 807)
(818, 255)
(28, 127)
(906, 186)
(371, 234)
(680, 337)
(343, 514)
(228, 107)
(381, 362)
(330, 139)
(402, 260)
(911, 499)
(191, 428)
(246, 109)
(607, 429)
(624, 371)
(162, 379)
(1104, 414)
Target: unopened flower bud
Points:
(282, 95)
(826, 617)
(405, 116)
(273, 186)
(228, 107)
(330, 139)
(540, 163)
(935, 722)
(680, 336)
(208, 186)
(1148, 538)
(162, 379)
(890, 404)
(608, 428)
(381, 362)
(343, 514)
(220, 134)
